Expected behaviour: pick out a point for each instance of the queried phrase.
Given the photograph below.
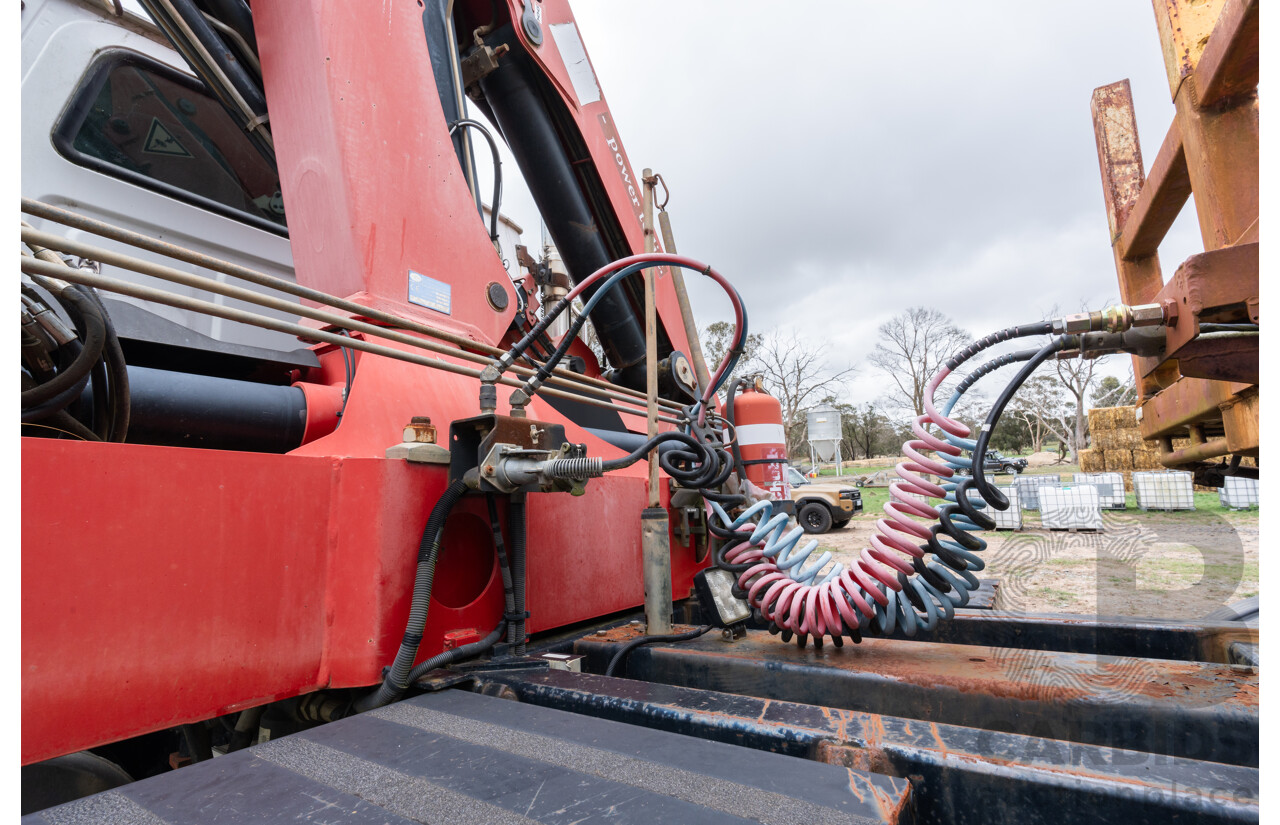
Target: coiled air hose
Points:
(880, 591)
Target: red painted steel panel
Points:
(173, 585)
(164, 585)
(367, 169)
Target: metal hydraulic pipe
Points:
(43, 240)
(31, 265)
(106, 230)
(1204, 451)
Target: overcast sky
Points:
(841, 161)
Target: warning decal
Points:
(160, 141)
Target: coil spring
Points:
(880, 591)
(576, 469)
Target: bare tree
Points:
(1039, 407)
(912, 348)
(1112, 392)
(796, 372)
(1052, 403)
(716, 338)
(1076, 375)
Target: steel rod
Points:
(686, 309)
(47, 269)
(125, 236)
(46, 240)
(651, 333)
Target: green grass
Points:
(1055, 594)
(1208, 510)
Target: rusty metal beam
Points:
(1115, 129)
(1240, 421)
(959, 775)
(1219, 286)
(1181, 709)
(1221, 144)
(1185, 27)
(1187, 401)
(1229, 66)
(1159, 202)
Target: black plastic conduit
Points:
(395, 683)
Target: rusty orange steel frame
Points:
(1206, 388)
(184, 584)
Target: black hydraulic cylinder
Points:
(521, 113)
(180, 409)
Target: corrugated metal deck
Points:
(458, 757)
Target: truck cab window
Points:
(136, 119)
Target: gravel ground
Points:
(1173, 566)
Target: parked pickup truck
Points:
(821, 506)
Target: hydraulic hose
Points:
(117, 374)
(397, 680)
(497, 171)
(990, 494)
(728, 414)
(458, 654)
(92, 327)
(63, 399)
(516, 520)
(508, 588)
(644, 640)
(615, 272)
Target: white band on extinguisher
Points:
(749, 434)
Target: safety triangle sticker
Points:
(160, 141)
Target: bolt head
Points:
(488, 469)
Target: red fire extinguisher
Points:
(757, 420)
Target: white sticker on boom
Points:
(581, 75)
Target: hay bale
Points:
(1117, 460)
(1147, 460)
(1125, 439)
(1092, 461)
(1112, 418)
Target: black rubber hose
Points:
(1007, 334)
(458, 654)
(101, 401)
(644, 640)
(89, 321)
(497, 171)
(516, 520)
(60, 419)
(508, 589)
(60, 401)
(397, 680)
(991, 366)
(117, 374)
(988, 492)
(728, 414)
